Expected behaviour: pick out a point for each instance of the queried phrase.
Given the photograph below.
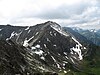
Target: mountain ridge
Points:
(48, 47)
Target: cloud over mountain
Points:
(78, 13)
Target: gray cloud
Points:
(82, 14)
(63, 11)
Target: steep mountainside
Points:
(12, 60)
(74, 32)
(45, 47)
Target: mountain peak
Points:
(51, 23)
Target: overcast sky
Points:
(74, 13)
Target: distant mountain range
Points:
(44, 49)
(91, 34)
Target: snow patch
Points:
(95, 31)
(51, 33)
(78, 51)
(54, 45)
(56, 62)
(18, 35)
(65, 71)
(65, 53)
(53, 58)
(58, 54)
(42, 58)
(12, 34)
(0, 29)
(72, 60)
(29, 31)
(58, 66)
(66, 57)
(76, 41)
(37, 46)
(37, 33)
(33, 47)
(40, 52)
(31, 38)
(27, 28)
(30, 59)
(48, 40)
(84, 47)
(55, 34)
(42, 68)
(59, 29)
(25, 44)
(45, 46)
(74, 57)
(65, 62)
(71, 52)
